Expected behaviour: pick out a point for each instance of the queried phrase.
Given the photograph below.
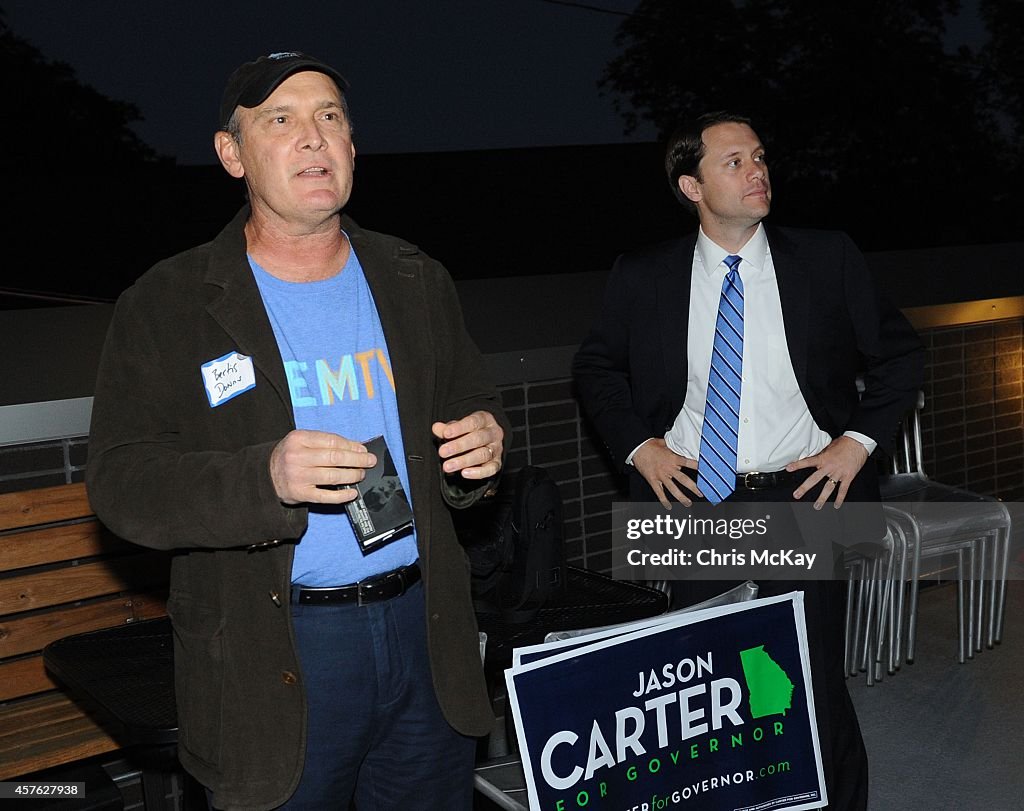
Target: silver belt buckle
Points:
(382, 581)
(363, 587)
(746, 479)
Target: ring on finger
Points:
(490, 450)
(832, 481)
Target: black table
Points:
(127, 674)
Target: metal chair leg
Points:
(915, 581)
(980, 605)
(867, 658)
(858, 622)
(886, 619)
(848, 620)
(961, 636)
(900, 597)
(881, 622)
(993, 596)
(1001, 607)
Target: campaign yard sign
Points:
(707, 710)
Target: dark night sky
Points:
(426, 75)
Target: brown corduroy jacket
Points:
(167, 470)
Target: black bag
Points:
(515, 546)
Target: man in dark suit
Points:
(810, 323)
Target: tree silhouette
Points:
(59, 116)
(1003, 62)
(86, 196)
(870, 123)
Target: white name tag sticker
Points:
(227, 377)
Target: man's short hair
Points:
(685, 149)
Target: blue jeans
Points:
(375, 732)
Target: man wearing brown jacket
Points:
(238, 385)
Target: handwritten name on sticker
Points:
(227, 377)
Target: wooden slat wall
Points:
(60, 733)
(61, 573)
(24, 677)
(44, 505)
(73, 583)
(35, 631)
(58, 543)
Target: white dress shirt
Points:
(775, 427)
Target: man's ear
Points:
(226, 147)
(691, 188)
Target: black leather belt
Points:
(371, 590)
(765, 481)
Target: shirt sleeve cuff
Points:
(868, 443)
(632, 453)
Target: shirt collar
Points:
(753, 253)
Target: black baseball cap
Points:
(252, 82)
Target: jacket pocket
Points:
(198, 677)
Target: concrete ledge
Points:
(38, 422)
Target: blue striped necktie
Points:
(716, 466)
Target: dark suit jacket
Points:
(630, 371)
(168, 471)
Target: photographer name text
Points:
(713, 558)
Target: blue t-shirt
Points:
(339, 378)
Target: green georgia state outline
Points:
(768, 685)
